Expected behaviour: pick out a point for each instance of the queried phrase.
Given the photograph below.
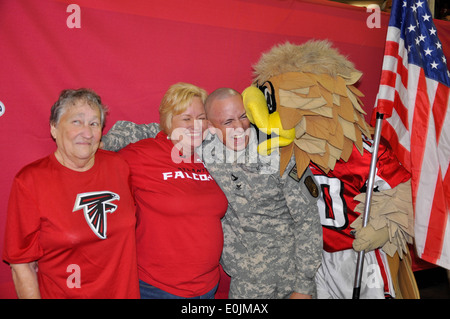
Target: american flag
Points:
(414, 97)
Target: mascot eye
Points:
(269, 93)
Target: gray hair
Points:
(70, 97)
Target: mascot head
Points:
(304, 99)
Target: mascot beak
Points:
(270, 124)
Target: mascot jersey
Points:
(179, 207)
(344, 182)
(78, 226)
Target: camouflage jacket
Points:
(269, 217)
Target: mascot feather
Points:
(305, 100)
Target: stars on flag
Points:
(420, 36)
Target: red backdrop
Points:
(130, 52)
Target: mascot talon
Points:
(304, 98)
(367, 238)
(391, 209)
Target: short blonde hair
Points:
(176, 100)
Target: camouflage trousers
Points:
(270, 285)
(261, 270)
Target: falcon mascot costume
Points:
(305, 100)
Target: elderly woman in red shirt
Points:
(71, 214)
(179, 205)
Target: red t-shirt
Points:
(344, 182)
(79, 226)
(179, 207)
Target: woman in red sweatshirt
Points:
(179, 205)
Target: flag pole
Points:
(370, 183)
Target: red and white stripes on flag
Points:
(414, 96)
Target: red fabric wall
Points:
(130, 52)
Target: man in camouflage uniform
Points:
(272, 232)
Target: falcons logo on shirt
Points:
(95, 205)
